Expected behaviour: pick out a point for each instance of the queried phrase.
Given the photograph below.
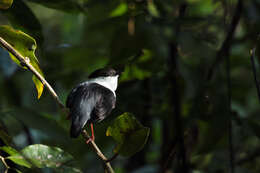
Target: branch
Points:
(97, 150)
(252, 56)
(26, 62)
(176, 100)
(227, 43)
(4, 162)
(112, 158)
(170, 157)
(230, 126)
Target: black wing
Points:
(104, 104)
(88, 103)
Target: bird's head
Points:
(106, 76)
(104, 72)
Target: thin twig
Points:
(177, 98)
(170, 157)
(4, 162)
(112, 158)
(227, 42)
(230, 126)
(252, 57)
(26, 62)
(99, 153)
(176, 101)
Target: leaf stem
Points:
(4, 162)
(26, 62)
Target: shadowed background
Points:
(175, 80)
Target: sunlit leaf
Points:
(5, 4)
(16, 156)
(20, 160)
(39, 86)
(26, 46)
(9, 150)
(41, 156)
(129, 133)
(119, 11)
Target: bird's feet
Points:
(92, 138)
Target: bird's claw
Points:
(90, 139)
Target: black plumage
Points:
(104, 72)
(88, 103)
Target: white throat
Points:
(109, 82)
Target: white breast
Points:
(108, 82)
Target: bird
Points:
(92, 101)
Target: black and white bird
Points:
(92, 100)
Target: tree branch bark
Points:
(227, 42)
(252, 57)
(26, 62)
(176, 101)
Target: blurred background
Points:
(187, 76)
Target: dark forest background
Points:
(187, 76)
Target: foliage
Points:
(26, 45)
(167, 50)
(129, 133)
(40, 156)
(5, 4)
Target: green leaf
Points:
(15, 156)
(26, 46)
(5, 4)
(16, 15)
(41, 156)
(9, 150)
(20, 160)
(18, 171)
(152, 9)
(203, 7)
(129, 133)
(119, 11)
(38, 84)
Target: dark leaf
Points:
(17, 14)
(129, 133)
